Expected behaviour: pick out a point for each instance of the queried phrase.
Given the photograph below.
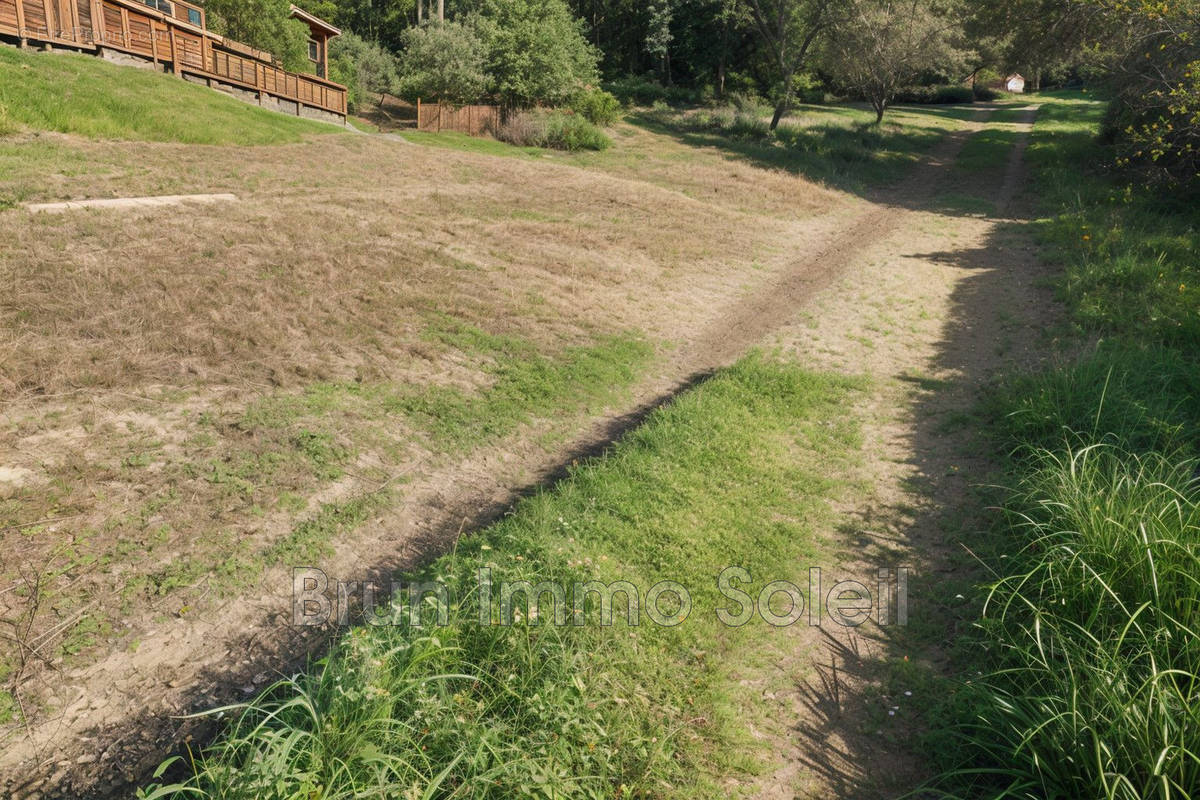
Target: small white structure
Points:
(1014, 83)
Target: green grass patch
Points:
(521, 383)
(524, 384)
(82, 94)
(959, 203)
(1085, 678)
(733, 472)
(310, 541)
(1129, 256)
(986, 150)
(838, 145)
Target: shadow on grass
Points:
(845, 153)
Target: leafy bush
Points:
(554, 129)
(985, 94)
(534, 50)
(442, 61)
(748, 102)
(1154, 80)
(573, 132)
(936, 95)
(363, 67)
(596, 106)
(641, 91)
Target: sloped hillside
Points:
(81, 94)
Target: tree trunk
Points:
(721, 59)
(441, 10)
(780, 109)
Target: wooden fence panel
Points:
(476, 120)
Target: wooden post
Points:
(97, 22)
(439, 115)
(174, 52)
(21, 23)
(50, 15)
(76, 28)
(418, 113)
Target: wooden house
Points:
(173, 35)
(318, 41)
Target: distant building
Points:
(1014, 83)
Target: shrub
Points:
(443, 61)
(363, 67)
(985, 94)
(641, 91)
(573, 132)
(748, 102)
(534, 50)
(523, 129)
(935, 95)
(555, 129)
(596, 106)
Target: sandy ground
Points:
(892, 287)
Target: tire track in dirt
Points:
(126, 713)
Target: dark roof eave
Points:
(314, 21)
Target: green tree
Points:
(265, 24)
(443, 61)
(788, 30)
(658, 37)
(534, 50)
(877, 46)
(363, 67)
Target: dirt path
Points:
(930, 313)
(121, 721)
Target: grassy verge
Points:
(734, 472)
(1089, 682)
(85, 95)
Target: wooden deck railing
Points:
(134, 27)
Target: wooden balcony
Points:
(167, 32)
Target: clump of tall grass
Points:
(1088, 661)
(1095, 686)
(559, 130)
(1144, 398)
